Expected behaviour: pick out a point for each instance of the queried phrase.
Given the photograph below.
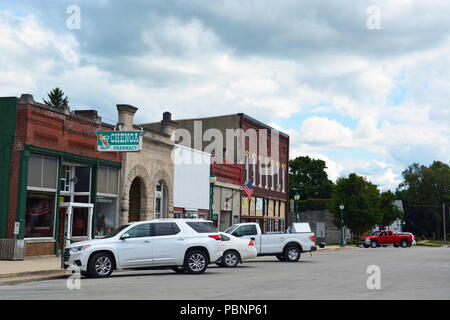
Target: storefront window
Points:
(102, 180)
(40, 205)
(81, 199)
(105, 211)
(160, 202)
(106, 207)
(42, 172)
(107, 180)
(80, 222)
(83, 179)
(39, 215)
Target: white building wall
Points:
(191, 178)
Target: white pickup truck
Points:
(285, 246)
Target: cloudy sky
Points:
(367, 95)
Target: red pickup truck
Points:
(385, 238)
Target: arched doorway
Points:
(160, 201)
(134, 212)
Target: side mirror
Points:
(124, 236)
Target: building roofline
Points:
(242, 115)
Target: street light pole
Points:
(296, 198)
(342, 224)
(212, 181)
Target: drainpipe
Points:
(22, 192)
(58, 221)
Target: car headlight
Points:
(78, 249)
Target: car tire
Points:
(100, 265)
(280, 257)
(404, 243)
(366, 245)
(230, 259)
(373, 244)
(292, 254)
(179, 269)
(196, 261)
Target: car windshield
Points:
(115, 232)
(230, 229)
(376, 233)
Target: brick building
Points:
(52, 178)
(244, 149)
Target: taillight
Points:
(251, 243)
(313, 238)
(216, 236)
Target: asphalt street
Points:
(405, 273)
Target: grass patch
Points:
(433, 243)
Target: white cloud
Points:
(322, 131)
(272, 61)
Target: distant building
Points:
(397, 225)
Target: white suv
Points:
(182, 244)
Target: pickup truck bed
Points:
(285, 246)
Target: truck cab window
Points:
(248, 230)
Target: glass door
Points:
(77, 222)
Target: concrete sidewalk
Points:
(334, 248)
(31, 269)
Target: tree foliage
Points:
(310, 179)
(364, 205)
(390, 212)
(423, 191)
(57, 99)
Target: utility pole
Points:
(443, 217)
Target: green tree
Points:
(57, 99)
(310, 179)
(389, 210)
(361, 200)
(423, 191)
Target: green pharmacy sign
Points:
(117, 141)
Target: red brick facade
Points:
(40, 248)
(58, 130)
(280, 154)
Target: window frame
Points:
(173, 224)
(43, 190)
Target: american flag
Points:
(248, 189)
(38, 208)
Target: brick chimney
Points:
(91, 114)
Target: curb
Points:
(20, 277)
(29, 273)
